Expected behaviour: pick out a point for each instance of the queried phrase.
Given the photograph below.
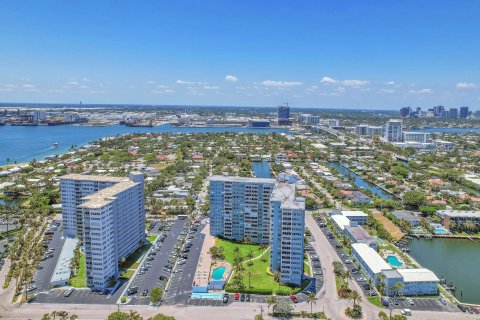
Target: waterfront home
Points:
(356, 197)
(408, 216)
(369, 260)
(355, 216)
(459, 216)
(357, 234)
(415, 282)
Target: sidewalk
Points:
(202, 274)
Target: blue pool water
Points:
(393, 261)
(441, 231)
(217, 273)
(210, 296)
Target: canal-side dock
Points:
(451, 236)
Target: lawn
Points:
(375, 300)
(261, 281)
(306, 268)
(229, 246)
(80, 279)
(152, 239)
(132, 261)
(394, 231)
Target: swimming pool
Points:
(441, 231)
(217, 273)
(393, 261)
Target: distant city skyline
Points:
(328, 54)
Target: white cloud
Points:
(9, 85)
(390, 83)
(328, 80)
(465, 85)
(231, 78)
(189, 82)
(164, 91)
(211, 87)
(151, 82)
(28, 86)
(272, 83)
(348, 83)
(86, 80)
(73, 82)
(161, 86)
(421, 91)
(84, 87)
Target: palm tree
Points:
(249, 278)
(382, 315)
(347, 276)
(236, 250)
(469, 226)
(270, 301)
(250, 257)
(355, 297)
(312, 299)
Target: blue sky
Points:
(345, 54)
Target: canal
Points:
(456, 260)
(261, 169)
(359, 181)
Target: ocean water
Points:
(23, 143)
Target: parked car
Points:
(68, 292)
(242, 297)
(236, 296)
(294, 298)
(145, 292)
(248, 298)
(225, 298)
(406, 312)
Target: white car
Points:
(406, 312)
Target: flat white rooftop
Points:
(285, 193)
(341, 221)
(418, 275)
(241, 179)
(353, 213)
(371, 258)
(459, 213)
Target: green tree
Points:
(414, 197)
(311, 299)
(270, 301)
(156, 295)
(118, 315)
(161, 316)
(282, 309)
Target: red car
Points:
(293, 298)
(236, 295)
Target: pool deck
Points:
(205, 261)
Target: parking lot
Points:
(433, 304)
(173, 261)
(180, 286)
(46, 267)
